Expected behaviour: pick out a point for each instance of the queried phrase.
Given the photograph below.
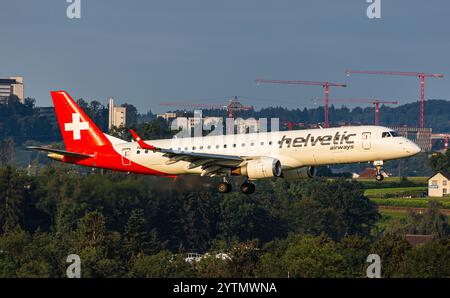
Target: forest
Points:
(138, 226)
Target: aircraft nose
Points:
(412, 148)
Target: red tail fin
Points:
(79, 133)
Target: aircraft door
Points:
(126, 159)
(366, 140)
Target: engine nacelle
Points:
(300, 173)
(261, 168)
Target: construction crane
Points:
(420, 75)
(326, 85)
(233, 106)
(290, 125)
(376, 102)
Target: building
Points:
(46, 112)
(416, 240)
(439, 185)
(11, 86)
(370, 173)
(167, 116)
(117, 116)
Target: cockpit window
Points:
(386, 134)
(394, 133)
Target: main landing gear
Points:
(379, 173)
(224, 186)
(246, 187)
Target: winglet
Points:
(141, 143)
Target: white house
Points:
(439, 185)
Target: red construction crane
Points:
(325, 85)
(420, 75)
(376, 102)
(290, 125)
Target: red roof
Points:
(415, 240)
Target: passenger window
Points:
(193, 148)
(201, 147)
(252, 144)
(139, 151)
(209, 147)
(217, 146)
(262, 143)
(270, 143)
(224, 146)
(146, 151)
(234, 145)
(243, 144)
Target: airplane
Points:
(284, 154)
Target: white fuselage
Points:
(294, 149)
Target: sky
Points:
(148, 52)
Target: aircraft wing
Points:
(211, 164)
(59, 151)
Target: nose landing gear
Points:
(379, 172)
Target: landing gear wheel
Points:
(247, 188)
(224, 187)
(378, 166)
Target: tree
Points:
(10, 198)
(433, 221)
(91, 230)
(244, 259)
(312, 257)
(7, 151)
(337, 208)
(392, 249)
(12, 245)
(211, 266)
(131, 114)
(440, 161)
(163, 264)
(430, 260)
(135, 235)
(243, 218)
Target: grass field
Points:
(418, 180)
(411, 203)
(381, 192)
(388, 217)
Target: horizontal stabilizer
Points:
(59, 151)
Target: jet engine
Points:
(304, 172)
(266, 167)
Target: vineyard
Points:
(411, 203)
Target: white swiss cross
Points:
(76, 126)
